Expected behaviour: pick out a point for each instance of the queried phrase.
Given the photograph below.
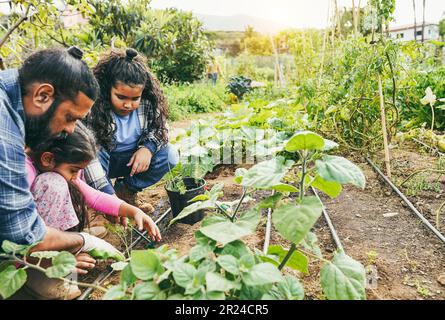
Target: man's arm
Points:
(55, 240)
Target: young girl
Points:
(129, 121)
(61, 195)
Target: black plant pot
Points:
(179, 201)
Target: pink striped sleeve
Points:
(99, 201)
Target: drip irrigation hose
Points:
(108, 272)
(405, 199)
(268, 228)
(429, 147)
(329, 222)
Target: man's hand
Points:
(140, 161)
(100, 249)
(84, 262)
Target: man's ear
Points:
(47, 161)
(42, 96)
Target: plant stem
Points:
(287, 257)
(420, 171)
(223, 210)
(303, 175)
(302, 192)
(14, 258)
(239, 204)
(432, 113)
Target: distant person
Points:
(213, 71)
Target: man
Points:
(47, 96)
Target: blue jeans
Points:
(115, 166)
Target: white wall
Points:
(431, 33)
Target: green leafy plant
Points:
(220, 266)
(15, 259)
(239, 86)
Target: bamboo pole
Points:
(384, 130)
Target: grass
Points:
(187, 99)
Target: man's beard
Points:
(37, 128)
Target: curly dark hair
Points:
(128, 67)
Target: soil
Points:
(375, 228)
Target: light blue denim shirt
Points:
(128, 132)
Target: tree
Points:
(34, 24)
(442, 29)
(174, 41)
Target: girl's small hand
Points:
(140, 161)
(84, 262)
(143, 221)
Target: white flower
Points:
(430, 98)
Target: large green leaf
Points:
(331, 188)
(184, 274)
(343, 279)
(11, 280)
(145, 264)
(267, 174)
(249, 219)
(216, 282)
(127, 276)
(212, 197)
(236, 248)
(200, 251)
(297, 260)
(229, 263)
(200, 205)
(116, 292)
(294, 221)
(305, 140)
(45, 254)
(227, 231)
(285, 188)
(341, 170)
(119, 266)
(11, 247)
(254, 292)
(62, 265)
(310, 243)
(270, 202)
(261, 274)
(147, 291)
(289, 289)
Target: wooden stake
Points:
(384, 131)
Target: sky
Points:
(298, 13)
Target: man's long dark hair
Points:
(64, 69)
(67, 73)
(130, 68)
(75, 148)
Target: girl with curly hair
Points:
(129, 122)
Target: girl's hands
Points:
(143, 221)
(140, 161)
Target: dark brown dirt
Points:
(407, 257)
